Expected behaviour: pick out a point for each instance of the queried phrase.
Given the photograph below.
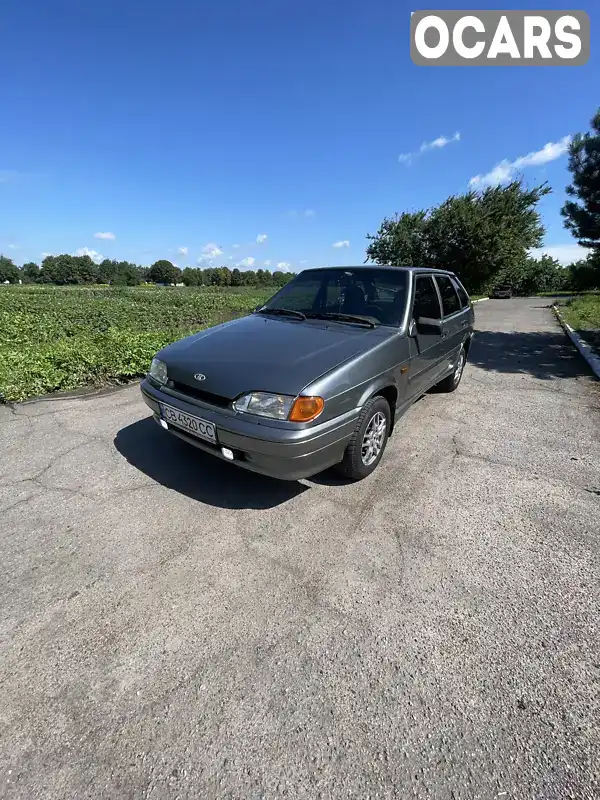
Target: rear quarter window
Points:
(462, 295)
(450, 301)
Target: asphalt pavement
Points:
(174, 627)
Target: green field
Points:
(583, 315)
(61, 338)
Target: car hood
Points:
(262, 353)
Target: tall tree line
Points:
(65, 270)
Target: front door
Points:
(427, 346)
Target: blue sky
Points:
(196, 127)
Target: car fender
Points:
(378, 386)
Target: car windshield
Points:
(377, 295)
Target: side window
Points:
(450, 301)
(427, 302)
(463, 296)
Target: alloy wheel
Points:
(373, 440)
(459, 368)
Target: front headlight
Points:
(280, 406)
(158, 371)
(275, 406)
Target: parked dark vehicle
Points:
(504, 291)
(319, 374)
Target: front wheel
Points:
(369, 439)
(450, 383)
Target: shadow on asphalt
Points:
(545, 355)
(180, 466)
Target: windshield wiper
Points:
(286, 312)
(352, 318)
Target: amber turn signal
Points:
(305, 409)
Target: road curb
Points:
(481, 299)
(584, 348)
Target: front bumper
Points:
(284, 453)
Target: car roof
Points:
(388, 267)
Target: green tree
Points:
(213, 276)
(249, 277)
(8, 271)
(543, 274)
(401, 240)
(582, 214)
(108, 271)
(30, 272)
(64, 269)
(164, 271)
(224, 276)
(477, 235)
(281, 278)
(127, 275)
(191, 276)
(236, 277)
(85, 270)
(585, 274)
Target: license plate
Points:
(198, 427)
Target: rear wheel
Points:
(450, 383)
(368, 442)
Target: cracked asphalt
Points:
(173, 627)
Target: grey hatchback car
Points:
(319, 374)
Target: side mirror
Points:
(428, 325)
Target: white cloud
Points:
(247, 262)
(262, 237)
(235, 246)
(93, 254)
(14, 246)
(506, 170)
(436, 144)
(304, 261)
(46, 255)
(230, 258)
(440, 142)
(267, 263)
(106, 235)
(564, 253)
(211, 250)
(309, 212)
(342, 243)
(182, 251)
(284, 265)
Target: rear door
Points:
(455, 318)
(426, 347)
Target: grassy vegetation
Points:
(583, 315)
(567, 294)
(60, 338)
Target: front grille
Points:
(206, 397)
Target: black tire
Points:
(452, 381)
(353, 465)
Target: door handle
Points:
(464, 323)
(444, 334)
